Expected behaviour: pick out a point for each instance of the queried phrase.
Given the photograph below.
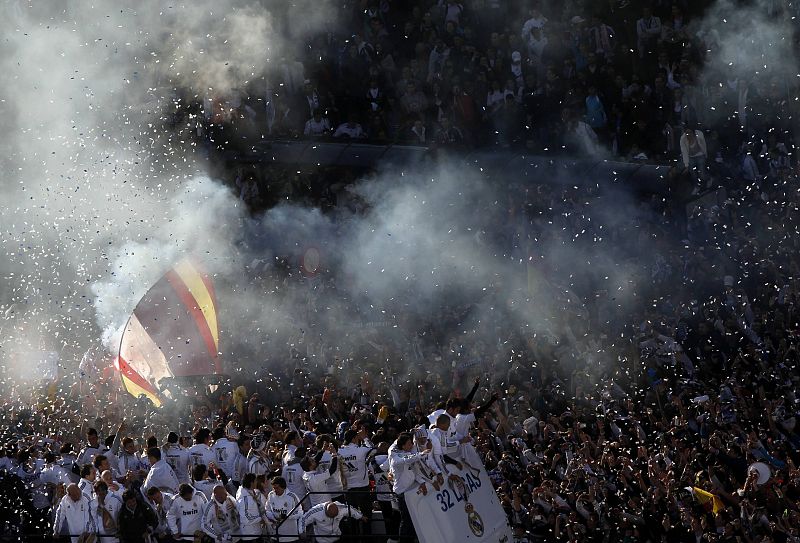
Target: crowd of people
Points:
(608, 79)
(674, 421)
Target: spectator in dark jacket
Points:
(135, 519)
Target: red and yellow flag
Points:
(173, 332)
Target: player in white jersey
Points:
(92, 448)
(226, 450)
(160, 474)
(467, 415)
(355, 459)
(283, 511)
(317, 481)
(326, 518)
(177, 457)
(406, 477)
(258, 461)
(200, 452)
(105, 508)
(252, 509)
(130, 466)
(185, 515)
(445, 446)
(221, 516)
(335, 482)
(160, 503)
(383, 490)
(202, 482)
(73, 515)
(292, 472)
(293, 442)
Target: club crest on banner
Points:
(474, 520)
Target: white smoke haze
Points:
(748, 40)
(92, 182)
(99, 199)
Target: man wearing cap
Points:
(177, 457)
(326, 518)
(160, 474)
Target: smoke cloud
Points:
(101, 196)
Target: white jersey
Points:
(258, 465)
(239, 467)
(130, 462)
(200, 453)
(252, 511)
(293, 474)
(335, 486)
(87, 454)
(87, 488)
(354, 460)
(106, 516)
(161, 512)
(112, 455)
(435, 415)
(221, 520)
(50, 476)
(66, 463)
(162, 476)
(185, 517)
(225, 452)
(326, 529)
(118, 491)
(288, 454)
(282, 507)
(178, 459)
(443, 443)
(463, 423)
(206, 487)
(74, 518)
(31, 477)
(317, 481)
(404, 467)
(383, 487)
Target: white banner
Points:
(460, 513)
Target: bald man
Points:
(221, 516)
(326, 517)
(74, 516)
